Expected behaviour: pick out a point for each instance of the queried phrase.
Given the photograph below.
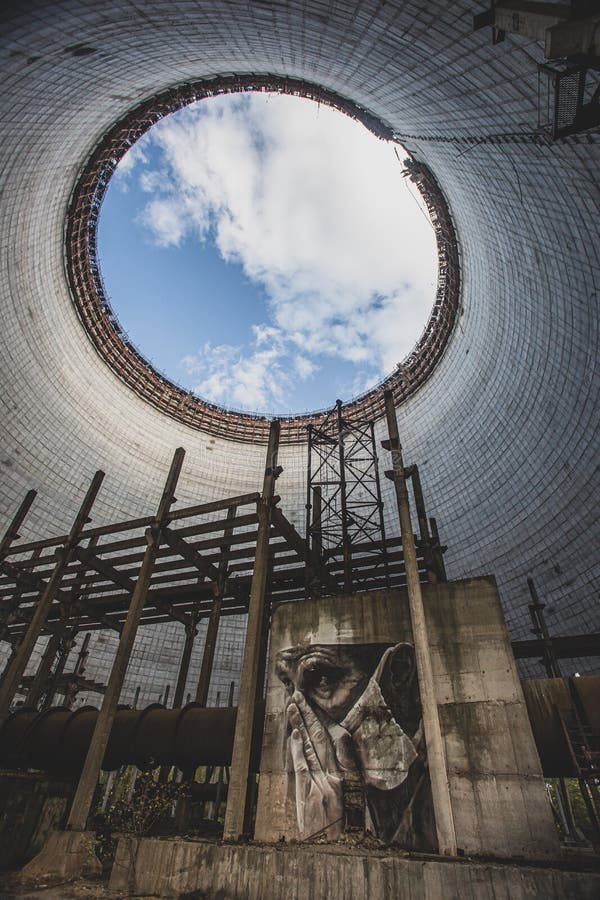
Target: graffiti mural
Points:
(354, 742)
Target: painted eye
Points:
(322, 678)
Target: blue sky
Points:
(265, 252)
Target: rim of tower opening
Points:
(129, 364)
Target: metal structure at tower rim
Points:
(124, 358)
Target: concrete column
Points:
(208, 654)
(14, 674)
(182, 804)
(415, 478)
(12, 532)
(95, 755)
(266, 628)
(12, 604)
(346, 543)
(437, 546)
(42, 676)
(190, 633)
(316, 548)
(436, 756)
(235, 813)
(212, 631)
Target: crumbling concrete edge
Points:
(68, 854)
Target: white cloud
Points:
(304, 367)
(251, 378)
(166, 223)
(319, 216)
(134, 155)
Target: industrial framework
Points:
(203, 566)
(150, 569)
(236, 555)
(76, 583)
(207, 553)
(115, 347)
(345, 526)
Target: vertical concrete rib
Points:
(436, 756)
(212, 631)
(240, 763)
(186, 654)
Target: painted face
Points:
(329, 676)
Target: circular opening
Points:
(130, 364)
(264, 252)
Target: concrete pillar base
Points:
(67, 854)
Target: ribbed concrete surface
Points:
(505, 431)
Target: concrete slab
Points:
(332, 872)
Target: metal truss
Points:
(344, 509)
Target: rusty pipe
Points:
(56, 740)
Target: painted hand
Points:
(321, 762)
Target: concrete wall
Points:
(496, 784)
(176, 868)
(497, 789)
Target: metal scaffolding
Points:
(344, 509)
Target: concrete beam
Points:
(178, 545)
(235, 813)
(436, 756)
(103, 567)
(296, 543)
